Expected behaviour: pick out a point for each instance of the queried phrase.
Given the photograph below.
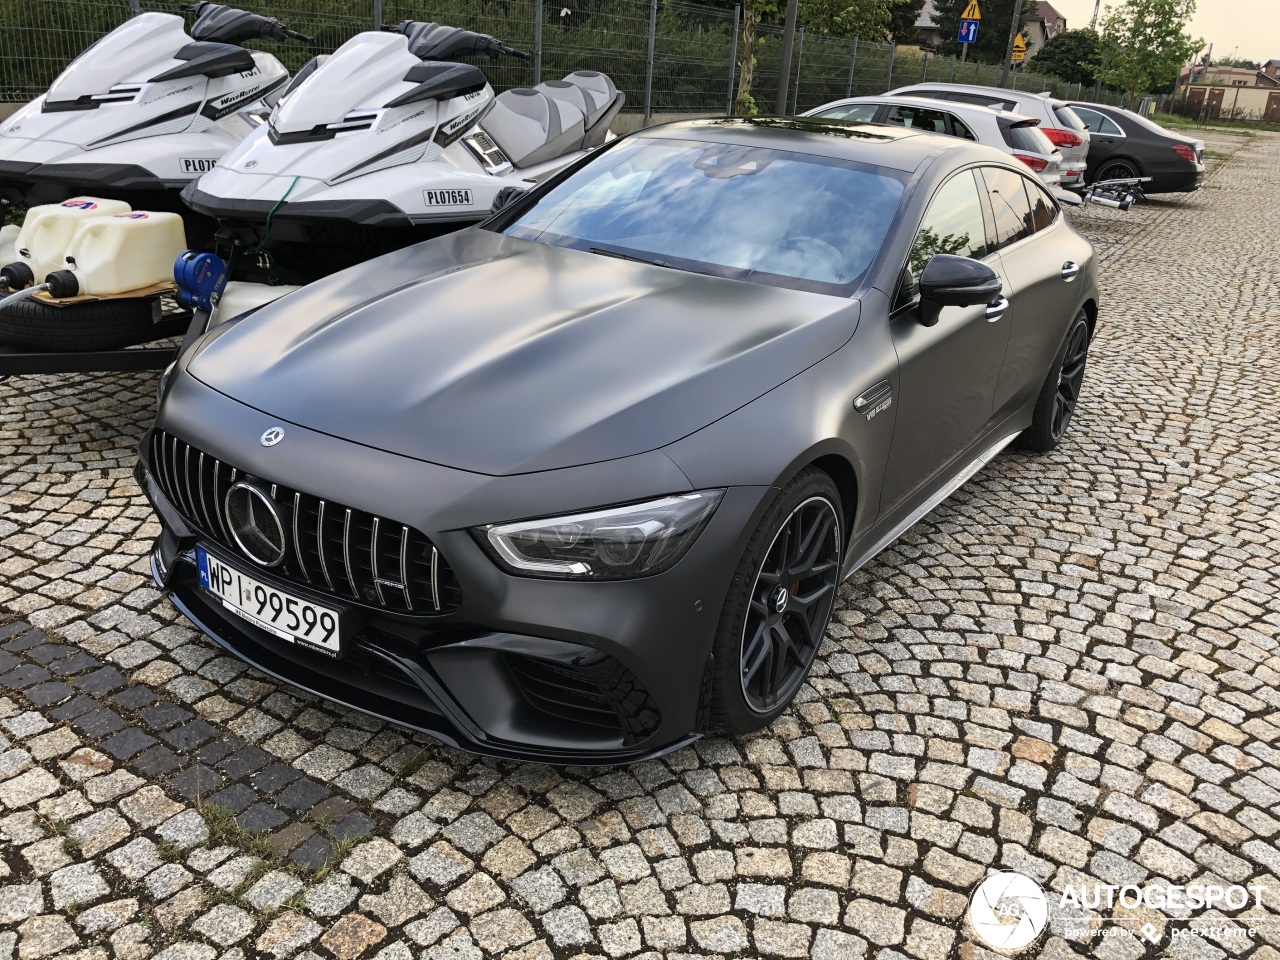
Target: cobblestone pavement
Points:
(1069, 670)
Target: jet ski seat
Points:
(535, 124)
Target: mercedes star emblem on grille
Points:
(255, 524)
(272, 435)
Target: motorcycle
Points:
(144, 111)
(388, 142)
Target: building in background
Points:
(1045, 22)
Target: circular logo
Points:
(1008, 910)
(272, 435)
(255, 524)
(251, 164)
(780, 598)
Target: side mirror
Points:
(505, 197)
(1069, 198)
(950, 281)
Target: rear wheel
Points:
(779, 604)
(98, 325)
(1061, 391)
(1119, 170)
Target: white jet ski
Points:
(388, 142)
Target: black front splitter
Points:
(433, 725)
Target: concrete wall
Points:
(8, 109)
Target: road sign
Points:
(971, 12)
(968, 31)
(1019, 49)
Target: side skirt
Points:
(919, 512)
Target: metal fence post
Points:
(954, 64)
(733, 58)
(377, 14)
(795, 92)
(893, 50)
(853, 65)
(537, 42)
(648, 67)
(924, 67)
(135, 7)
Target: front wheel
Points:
(1061, 391)
(779, 603)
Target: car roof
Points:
(930, 103)
(1000, 92)
(897, 148)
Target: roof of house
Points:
(1047, 11)
(928, 15)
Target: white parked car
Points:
(1058, 121)
(1011, 132)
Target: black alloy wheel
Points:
(1070, 378)
(1060, 394)
(1119, 170)
(779, 605)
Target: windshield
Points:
(1068, 117)
(742, 212)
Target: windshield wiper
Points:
(634, 259)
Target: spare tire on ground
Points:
(96, 325)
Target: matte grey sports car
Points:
(580, 483)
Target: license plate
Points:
(281, 614)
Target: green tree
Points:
(1146, 43)
(1235, 62)
(903, 15)
(1074, 56)
(865, 19)
(993, 34)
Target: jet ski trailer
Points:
(389, 142)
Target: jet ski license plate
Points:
(280, 614)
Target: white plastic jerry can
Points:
(47, 230)
(126, 252)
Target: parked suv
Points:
(1013, 133)
(1058, 121)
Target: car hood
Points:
(501, 356)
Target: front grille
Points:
(329, 546)
(563, 692)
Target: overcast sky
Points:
(1251, 25)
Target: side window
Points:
(1092, 119)
(1109, 128)
(1009, 204)
(1044, 211)
(934, 121)
(952, 224)
(854, 112)
(961, 131)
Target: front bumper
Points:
(527, 669)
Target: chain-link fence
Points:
(668, 56)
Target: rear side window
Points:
(960, 130)
(982, 100)
(918, 118)
(1009, 204)
(1044, 210)
(1027, 140)
(1095, 122)
(1068, 117)
(853, 112)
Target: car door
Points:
(1038, 255)
(947, 372)
(1105, 136)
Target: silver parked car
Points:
(1012, 133)
(1058, 121)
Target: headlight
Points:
(639, 540)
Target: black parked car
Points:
(1124, 144)
(580, 483)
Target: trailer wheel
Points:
(101, 325)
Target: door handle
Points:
(996, 309)
(1070, 269)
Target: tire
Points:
(751, 629)
(101, 325)
(1061, 391)
(1121, 169)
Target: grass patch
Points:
(1248, 127)
(223, 828)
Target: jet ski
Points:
(392, 140)
(145, 110)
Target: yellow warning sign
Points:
(971, 12)
(1019, 49)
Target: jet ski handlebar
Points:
(222, 24)
(435, 41)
